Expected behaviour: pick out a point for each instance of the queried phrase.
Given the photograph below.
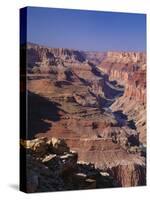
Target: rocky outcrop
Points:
(47, 171)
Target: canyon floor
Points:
(94, 102)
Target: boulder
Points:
(59, 146)
(38, 146)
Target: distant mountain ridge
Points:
(38, 54)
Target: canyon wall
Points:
(129, 70)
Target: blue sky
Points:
(86, 30)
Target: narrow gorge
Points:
(95, 102)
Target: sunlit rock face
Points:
(95, 102)
(129, 69)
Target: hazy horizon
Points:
(86, 30)
(46, 46)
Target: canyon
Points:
(96, 103)
(129, 69)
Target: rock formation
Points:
(49, 171)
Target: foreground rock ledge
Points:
(52, 166)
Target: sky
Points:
(86, 30)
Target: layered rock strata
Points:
(72, 98)
(129, 69)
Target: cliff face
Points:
(129, 69)
(125, 57)
(129, 174)
(119, 65)
(94, 108)
(41, 59)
